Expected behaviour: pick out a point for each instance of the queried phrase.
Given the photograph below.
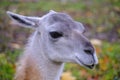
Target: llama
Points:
(57, 39)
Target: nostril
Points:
(88, 51)
(89, 48)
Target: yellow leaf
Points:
(96, 42)
(103, 65)
(67, 76)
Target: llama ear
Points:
(80, 26)
(30, 22)
(52, 11)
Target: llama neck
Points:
(49, 69)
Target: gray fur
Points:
(51, 53)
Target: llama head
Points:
(61, 37)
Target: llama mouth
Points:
(88, 66)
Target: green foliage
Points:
(7, 65)
(6, 68)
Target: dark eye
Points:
(55, 34)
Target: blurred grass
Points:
(102, 15)
(7, 64)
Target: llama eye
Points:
(56, 34)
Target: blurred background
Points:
(101, 19)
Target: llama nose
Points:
(89, 49)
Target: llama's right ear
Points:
(25, 21)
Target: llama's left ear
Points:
(81, 28)
(25, 21)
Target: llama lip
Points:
(88, 66)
